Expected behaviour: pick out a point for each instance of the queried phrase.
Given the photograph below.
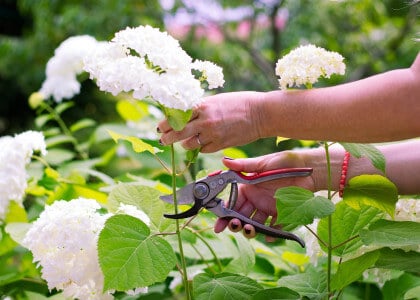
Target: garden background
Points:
(245, 38)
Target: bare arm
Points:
(384, 107)
(381, 108)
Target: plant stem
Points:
(329, 259)
(178, 231)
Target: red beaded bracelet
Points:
(344, 168)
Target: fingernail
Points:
(228, 158)
(161, 143)
(158, 130)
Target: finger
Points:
(172, 136)
(235, 225)
(163, 127)
(260, 216)
(193, 142)
(220, 225)
(249, 231)
(245, 164)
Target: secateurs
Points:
(203, 194)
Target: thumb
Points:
(244, 164)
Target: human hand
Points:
(257, 201)
(221, 121)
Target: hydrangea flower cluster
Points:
(150, 63)
(63, 241)
(306, 64)
(62, 69)
(15, 155)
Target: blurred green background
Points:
(245, 38)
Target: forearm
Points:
(402, 166)
(380, 108)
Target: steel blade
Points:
(183, 196)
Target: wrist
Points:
(316, 159)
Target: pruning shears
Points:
(203, 194)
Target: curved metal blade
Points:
(183, 195)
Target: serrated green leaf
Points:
(130, 257)
(352, 270)
(224, 286)
(369, 151)
(299, 206)
(146, 199)
(81, 124)
(282, 293)
(192, 155)
(137, 144)
(234, 153)
(177, 118)
(372, 190)
(311, 284)
(392, 234)
(397, 259)
(346, 223)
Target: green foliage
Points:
(298, 206)
(372, 190)
(83, 160)
(130, 257)
(224, 286)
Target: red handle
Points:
(289, 171)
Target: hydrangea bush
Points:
(92, 235)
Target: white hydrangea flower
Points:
(133, 211)
(306, 64)
(63, 242)
(407, 210)
(150, 63)
(15, 154)
(212, 73)
(61, 81)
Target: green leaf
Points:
(192, 155)
(224, 286)
(412, 293)
(373, 190)
(59, 139)
(177, 118)
(351, 270)
(372, 153)
(42, 120)
(17, 230)
(392, 234)
(346, 223)
(129, 257)
(81, 124)
(311, 284)
(63, 106)
(398, 259)
(282, 293)
(397, 288)
(132, 110)
(57, 156)
(299, 206)
(146, 199)
(244, 259)
(137, 144)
